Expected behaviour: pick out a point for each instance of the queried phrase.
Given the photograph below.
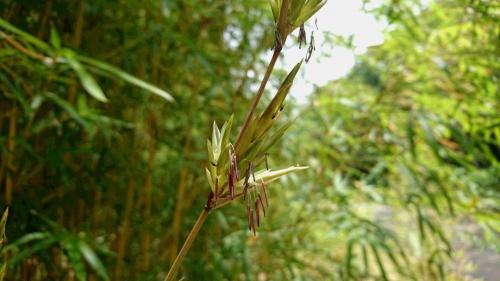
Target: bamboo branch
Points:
(282, 34)
(25, 51)
(187, 244)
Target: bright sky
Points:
(339, 17)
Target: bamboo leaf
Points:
(379, 262)
(268, 176)
(226, 131)
(308, 10)
(275, 8)
(209, 179)
(365, 260)
(68, 107)
(348, 259)
(93, 260)
(54, 37)
(271, 113)
(26, 239)
(22, 255)
(75, 259)
(126, 77)
(88, 82)
(23, 35)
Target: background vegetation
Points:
(403, 152)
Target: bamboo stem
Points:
(187, 244)
(25, 51)
(282, 34)
(260, 92)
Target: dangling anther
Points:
(253, 175)
(257, 213)
(311, 48)
(263, 185)
(302, 36)
(261, 203)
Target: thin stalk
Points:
(260, 92)
(24, 50)
(187, 244)
(282, 34)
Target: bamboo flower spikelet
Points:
(227, 159)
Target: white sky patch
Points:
(328, 62)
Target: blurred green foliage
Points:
(406, 144)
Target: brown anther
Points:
(257, 213)
(263, 185)
(311, 48)
(252, 223)
(261, 204)
(302, 36)
(234, 162)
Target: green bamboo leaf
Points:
(215, 134)
(420, 221)
(93, 260)
(388, 251)
(23, 35)
(275, 8)
(68, 107)
(209, 179)
(75, 258)
(271, 113)
(211, 156)
(55, 40)
(260, 148)
(365, 260)
(273, 139)
(216, 142)
(54, 225)
(379, 262)
(416, 183)
(247, 140)
(295, 9)
(26, 239)
(348, 259)
(410, 134)
(44, 244)
(445, 193)
(226, 131)
(88, 82)
(268, 176)
(126, 77)
(308, 10)
(440, 234)
(429, 136)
